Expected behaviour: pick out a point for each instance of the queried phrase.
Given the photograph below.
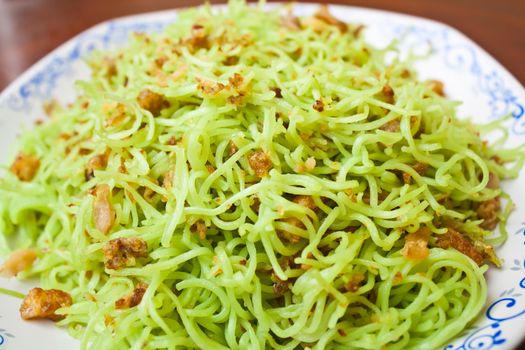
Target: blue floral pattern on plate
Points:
(43, 82)
(505, 308)
(460, 56)
(4, 337)
(502, 101)
(463, 57)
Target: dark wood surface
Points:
(29, 29)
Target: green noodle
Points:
(12, 293)
(219, 291)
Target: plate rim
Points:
(150, 16)
(44, 59)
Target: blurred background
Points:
(29, 29)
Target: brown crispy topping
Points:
(232, 148)
(103, 213)
(488, 211)
(291, 22)
(236, 80)
(159, 62)
(209, 88)
(420, 168)
(152, 101)
(436, 86)
(277, 92)
(407, 178)
(391, 126)
(352, 196)
(351, 229)
(288, 262)
(84, 151)
(109, 320)
(306, 135)
(244, 40)
(200, 228)
(372, 295)
(132, 299)
(305, 201)
(493, 181)
(148, 194)
(50, 107)
(324, 15)
(25, 166)
(64, 136)
(296, 53)
(280, 287)
(121, 252)
(358, 30)
(236, 99)
(167, 182)
(398, 277)
(488, 253)
(198, 38)
(355, 282)
(366, 198)
(463, 244)
(97, 162)
(231, 61)
(405, 73)
(20, 260)
(122, 167)
(305, 267)
(111, 67)
(497, 160)
(288, 236)
(172, 141)
(260, 163)
(318, 105)
(117, 115)
(388, 93)
(280, 117)
(416, 244)
(40, 303)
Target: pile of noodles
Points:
(258, 114)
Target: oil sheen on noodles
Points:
(275, 168)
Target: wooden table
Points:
(31, 28)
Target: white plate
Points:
(469, 73)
